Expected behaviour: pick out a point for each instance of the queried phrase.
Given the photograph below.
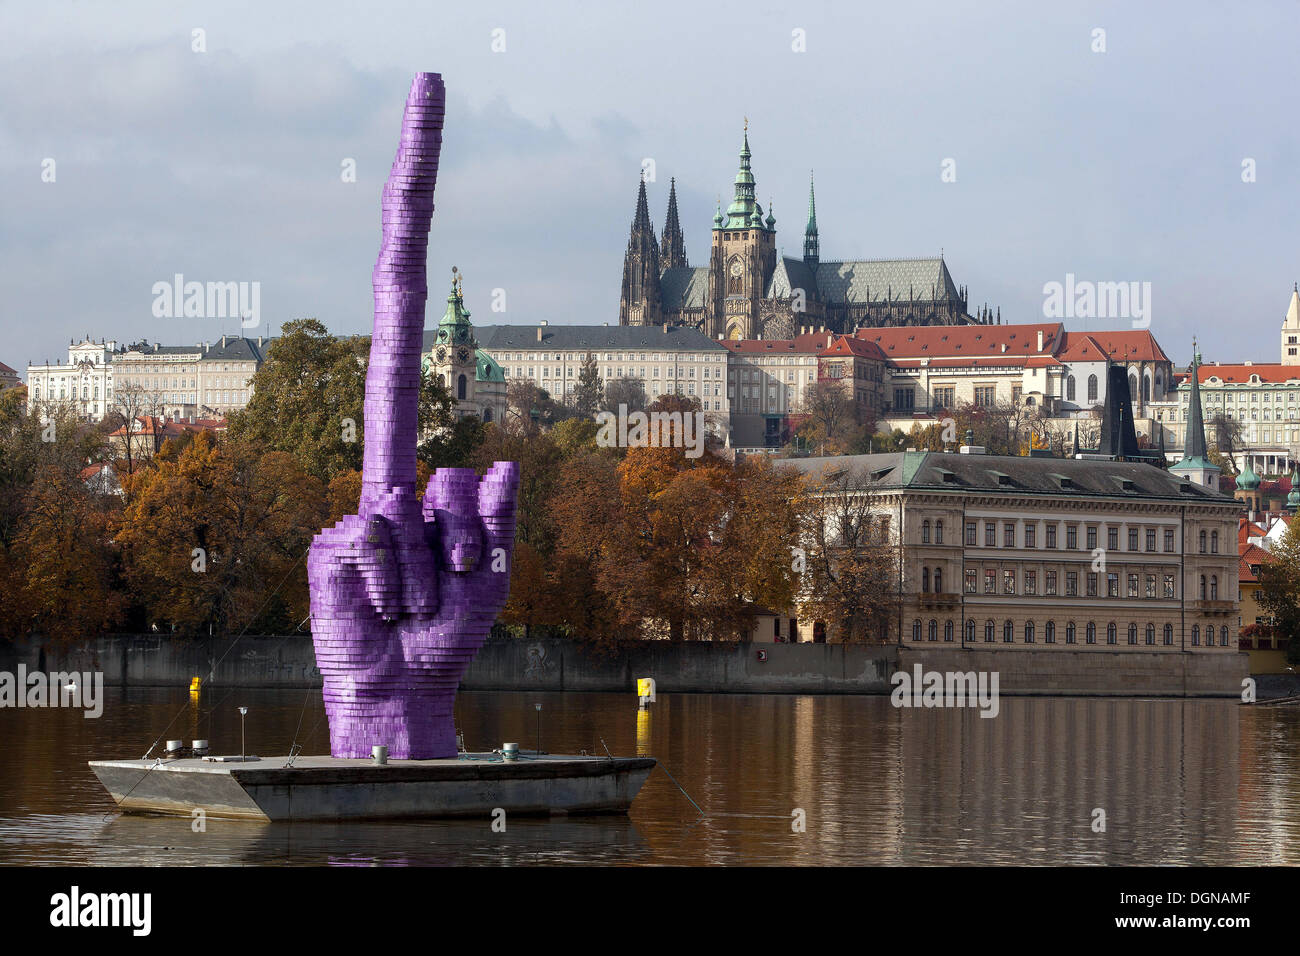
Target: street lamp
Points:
(243, 711)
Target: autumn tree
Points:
(626, 391)
(1279, 593)
(218, 537)
(851, 567)
(137, 412)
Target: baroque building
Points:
(750, 290)
(470, 374)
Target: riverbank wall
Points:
(560, 665)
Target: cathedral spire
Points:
(811, 253)
(642, 218)
(641, 302)
(743, 206)
(1196, 464)
(672, 248)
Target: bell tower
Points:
(742, 259)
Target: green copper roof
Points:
(1247, 480)
(487, 368)
(1194, 446)
(811, 228)
(455, 327)
(744, 211)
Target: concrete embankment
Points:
(559, 665)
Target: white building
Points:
(84, 382)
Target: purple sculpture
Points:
(403, 596)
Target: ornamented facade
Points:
(749, 290)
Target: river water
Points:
(1179, 782)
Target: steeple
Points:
(740, 213)
(811, 254)
(641, 302)
(1291, 329)
(455, 328)
(672, 249)
(1196, 464)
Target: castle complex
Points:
(749, 291)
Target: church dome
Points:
(487, 368)
(1247, 480)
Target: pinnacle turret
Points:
(672, 248)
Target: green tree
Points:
(589, 396)
(1279, 593)
(307, 399)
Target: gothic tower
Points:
(742, 260)
(642, 298)
(672, 249)
(1291, 330)
(811, 255)
(1196, 464)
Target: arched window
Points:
(1202, 542)
(1151, 634)
(1092, 388)
(461, 386)
(1049, 632)
(1132, 633)
(1091, 636)
(1132, 385)
(938, 580)
(970, 630)
(1112, 632)
(1029, 632)
(487, 415)
(1146, 389)
(1169, 634)
(1202, 583)
(947, 630)
(1214, 542)
(925, 531)
(938, 534)
(988, 632)
(1214, 587)
(1008, 632)
(933, 632)
(1196, 635)
(1223, 636)
(916, 629)
(1069, 389)
(925, 580)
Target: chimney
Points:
(1040, 340)
(665, 328)
(223, 341)
(539, 333)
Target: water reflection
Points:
(1180, 782)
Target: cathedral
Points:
(748, 290)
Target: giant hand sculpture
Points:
(403, 596)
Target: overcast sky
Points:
(1124, 165)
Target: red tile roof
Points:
(1132, 345)
(808, 342)
(851, 345)
(1240, 374)
(1248, 559)
(967, 341)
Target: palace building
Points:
(1097, 552)
(749, 290)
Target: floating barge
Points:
(327, 788)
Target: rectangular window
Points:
(990, 581)
(1112, 539)
(1072, 536)
(1151, 585)
(1031, 535)
(1132, 585)
(1169, 585)
(1092, 539)
(1051, 536)
(969, 577)
(1132, 539)
(990, 535)
(984, 396)
(971, 533)
(1049, 582)
(1072, 583)
(1031, 582)
(1112, 584)
(1008, 582)
(1169, 541)
(1009, 536)
(1151, 539)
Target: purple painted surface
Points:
(403, 596)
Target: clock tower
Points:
(473, 377)
(742, 259)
